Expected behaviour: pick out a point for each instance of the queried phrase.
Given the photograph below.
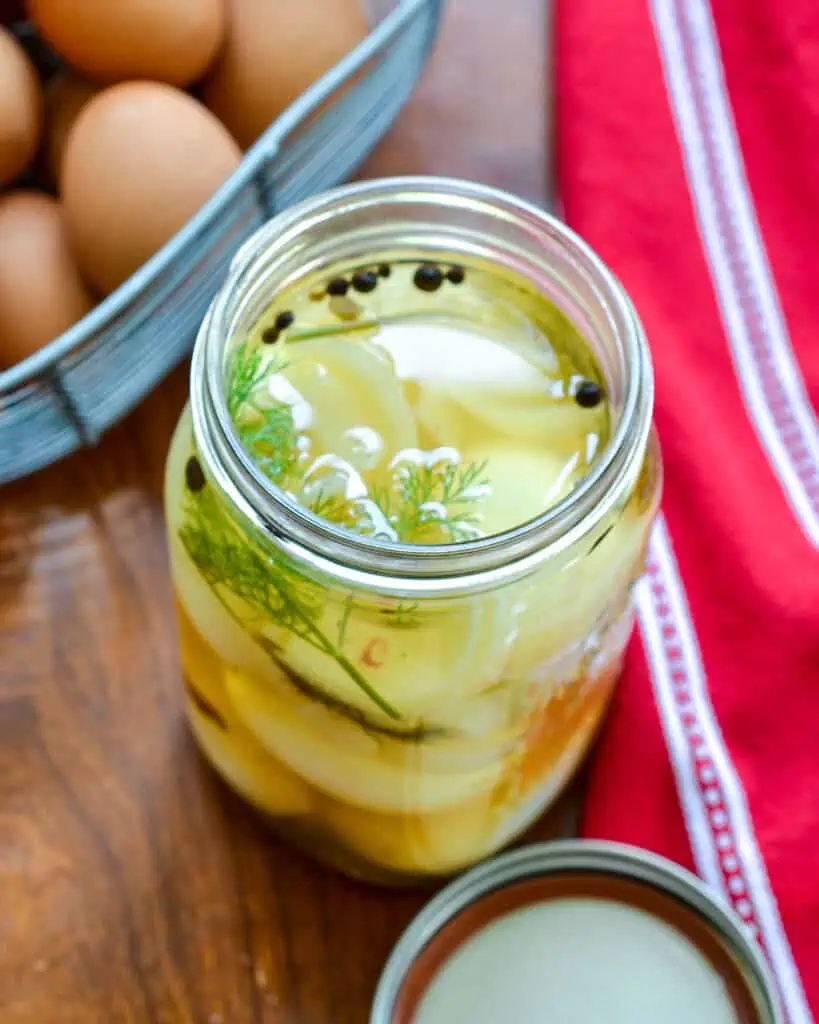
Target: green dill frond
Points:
(246, 370)
(428, 498)
(266, 430)
(231, 563)
(270, 440)
(334, 508)
(407, 614)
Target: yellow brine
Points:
(420, 399)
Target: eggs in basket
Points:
(144, 111)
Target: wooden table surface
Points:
(133, 887)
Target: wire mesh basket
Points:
(66, 395)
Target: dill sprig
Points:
(268, 433)
(442, 497)
(246, 370)
(231, 564)
(404, 615)
(334, 330)
(270, 439)
(334, 508)
(266, 430)
(421, 499)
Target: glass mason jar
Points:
(403, 711)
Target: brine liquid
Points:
(429, 403)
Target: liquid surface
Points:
(429, 403)
(577, 961)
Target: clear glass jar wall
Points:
(400, 711)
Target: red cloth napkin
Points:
(688, 138)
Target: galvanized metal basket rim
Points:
(263, 149)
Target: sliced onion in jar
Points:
(417, 659)
(224, 621)
(203, 669)
(181, 449)
(437, 842)
(557, 424)
(560, 607)
(349, 386)
(250, 770)
(231, 749)
(523, 483)
(221, 620)
(524, 415)
(360, 766)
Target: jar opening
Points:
(447, 224)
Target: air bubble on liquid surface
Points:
(331, 477)
(281, 391)
(363, 447)
(436, 462)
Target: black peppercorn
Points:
(365, 281)
(270, 335)
(428, 278)
(384, 270)
(456, 275)
(338, 286)
(284, 320)
(588, 394)
(194, 474)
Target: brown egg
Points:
(140, 161)
(274, 50)
(21, 104)
(111, 40)
(65, 96)
(41, 291)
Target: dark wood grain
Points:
(132, 886)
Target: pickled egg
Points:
(111, 41)
(273, 51)
(65, 97)
(20, 108)
(140, 160)
(41, 291)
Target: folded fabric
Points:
(688, 148)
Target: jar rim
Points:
(397, 567)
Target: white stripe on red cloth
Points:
(714, 805)
(780, 412)
(771, 383)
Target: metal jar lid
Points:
(579, 869)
